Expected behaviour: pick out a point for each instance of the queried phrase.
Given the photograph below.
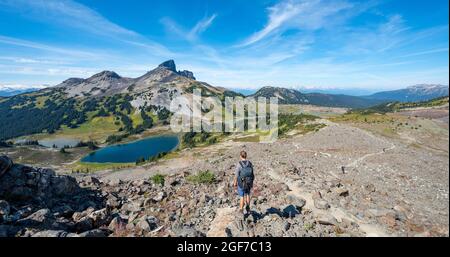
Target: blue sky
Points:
(371, 45)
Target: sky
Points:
(312, 44)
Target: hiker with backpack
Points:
(243, 181)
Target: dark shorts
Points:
(242, 192)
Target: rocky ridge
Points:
(37, 202)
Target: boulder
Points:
(40, 216)
(23, 184)
(113, 202)
(286, 226)
(51, 233)
(147, 223)
(64, 185)
(117, 223)
(84, 224)
(186, 231)
(342, 192)
(131, 207)
(321, 204)
(90, 180)
(95, 233)
(5, 164)
(4, 209)
(326, 219)
(297, 201)
(63, 211)
(160, 196)
(100, 217)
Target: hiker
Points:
(243, 181)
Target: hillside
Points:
(292, 96)
(125, 105)
(399, 106)
(415, 93)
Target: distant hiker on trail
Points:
(243, 181)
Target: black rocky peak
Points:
(187, 74)
(170, 65)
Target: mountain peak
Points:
(73, 81)
(107, 74)
(170, 65)
(426, 86)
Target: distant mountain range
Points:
(334, 97)
(415, 93)
(16, 90)
(292, 96)
(409, 94)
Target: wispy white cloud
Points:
(192, 34)
(426, 52)
(45, 47)
(298, 14)
(68, 13)
(202, 25)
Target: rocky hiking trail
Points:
(338, 181)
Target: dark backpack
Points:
(245, 179)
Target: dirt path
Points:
(335, 212)
(224, 216)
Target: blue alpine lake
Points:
(130, 152)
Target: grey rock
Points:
(147, 223)
(63, 211)
(51, 233)
(160, 196)
(4, 209)
(326, 219)
(84, 224)
(133, 206)
(113, 201)
(186, 231)
(64, 185)
(100, 217)
(287, 225)
(379, 212)
(321, 204)
(342, 192)
(91, 180)
(117, 223)
(95, 233)
(297, 201)
(40, 217)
